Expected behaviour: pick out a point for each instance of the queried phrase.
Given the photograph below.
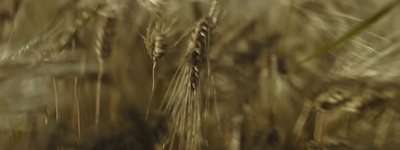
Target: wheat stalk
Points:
(158, 29)
(184, 99)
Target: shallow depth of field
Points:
(199, 74)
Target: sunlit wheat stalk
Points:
(156, 48)
(98, 49)
(103, 47)
(184, 99)
(157, 31)
(70, 38)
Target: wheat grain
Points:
(184, 99)
(103, 49)
(156, 47)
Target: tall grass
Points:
(222, 74)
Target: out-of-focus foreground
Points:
(199, 74)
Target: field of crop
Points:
(199, 74)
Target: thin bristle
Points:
(184, 108)
(185, 104)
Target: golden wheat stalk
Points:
(186, 104)
(157, 31)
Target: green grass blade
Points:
(357, 30)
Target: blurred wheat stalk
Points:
(257, 74)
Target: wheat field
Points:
(199, 74)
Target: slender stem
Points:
(152, 88)
(79, 109)
(56, 99)
(98, 49)
(319, 126)
(98, 90)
